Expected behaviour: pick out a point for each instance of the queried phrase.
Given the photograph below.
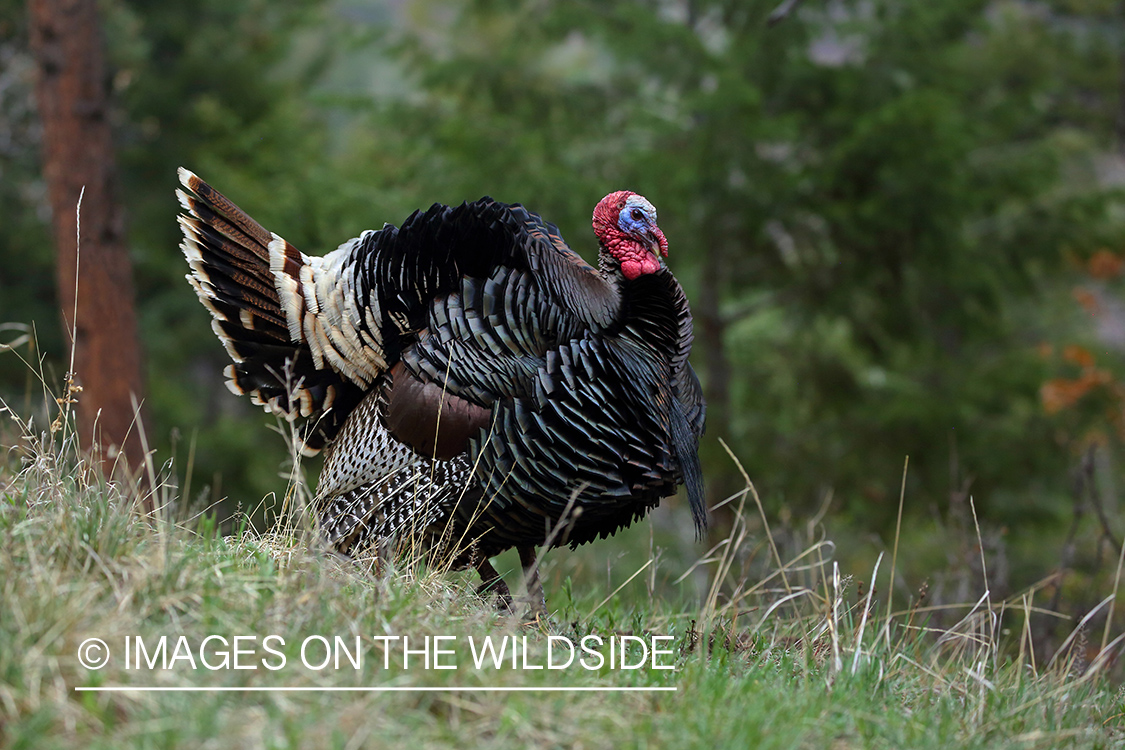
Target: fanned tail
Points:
(230, 258)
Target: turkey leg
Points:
(536, 601)
(491, 582)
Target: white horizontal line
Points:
(273, 689)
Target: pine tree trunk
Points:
(66, 42)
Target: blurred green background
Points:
(900, 223)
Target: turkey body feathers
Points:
(475, 382)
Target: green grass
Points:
(768, 662)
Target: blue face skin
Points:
(637, 219)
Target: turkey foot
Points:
(492, 583)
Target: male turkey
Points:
(474, 383)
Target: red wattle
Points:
(632, 268)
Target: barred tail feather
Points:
(320, 300)
(229, 255)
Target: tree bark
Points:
(95, 277)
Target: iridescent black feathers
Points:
(476, 384)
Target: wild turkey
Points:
(475, 384)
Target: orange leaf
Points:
(1079, 355)
(1087, 299)
(1060, 393)
(1104, 265)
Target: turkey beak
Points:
(658, 243)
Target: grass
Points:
(795, 656)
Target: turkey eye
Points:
(637, 215)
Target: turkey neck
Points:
(652, 303)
